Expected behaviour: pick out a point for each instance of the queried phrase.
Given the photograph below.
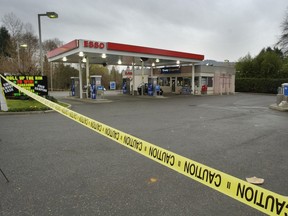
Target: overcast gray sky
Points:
(218, 29)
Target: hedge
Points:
(259, 85)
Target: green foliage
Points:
(5, 42)
(62, 74)
(25, 105)
(102, 71)
(107, 76)
(259, 85)
(269, 63)
(263, 74)
(29, 104)
(116, 76)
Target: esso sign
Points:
(94, 44)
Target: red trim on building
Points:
(65, 48)
(152, 51)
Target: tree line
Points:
(20, 55)
(269, 63)
(266, 71)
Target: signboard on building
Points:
(170, 70)
(112, 85)
(35, 84)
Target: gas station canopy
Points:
(109, 53)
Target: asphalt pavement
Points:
(58, 167)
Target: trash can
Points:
(204, 89)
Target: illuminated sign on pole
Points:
(35, 84)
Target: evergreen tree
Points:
(5, 42)
(269, 63)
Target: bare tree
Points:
(51, 44)
(28, 55)
(13, 24)
(283, 41)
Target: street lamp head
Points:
(52, 15)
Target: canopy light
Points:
(81, 54)
(84, 60)
(157, 60)
(153, 64)
(119, 61)
(64, 59)
(177, 62)
(103, 55)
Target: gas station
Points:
(159, 62)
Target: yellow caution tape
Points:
(261, 199)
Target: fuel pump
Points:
(152, 83)
(95, 82)
(75, 89)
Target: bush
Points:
(258, 85)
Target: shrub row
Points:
(259, 85)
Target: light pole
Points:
(18, 51)
(51, 15)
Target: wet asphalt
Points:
(58, 167)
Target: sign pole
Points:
(3, 103)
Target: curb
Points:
(275, 107)
(88, 100)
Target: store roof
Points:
(114, 52)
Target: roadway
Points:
(58, 167)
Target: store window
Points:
(196, 81)
(187, 81)
(207, 81)
(179, 81)
(164, 81)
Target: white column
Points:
(142, 74)
(200, 84)
(51, 75)
(192, 79)
(87, 77)
(133, 75)
(80, 80)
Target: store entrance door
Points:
(173, 84)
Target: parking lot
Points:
(58, 167)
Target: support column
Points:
(80, 80)
(87, 77)
(192, 80)
(200, 84)
(51, 76)
(133, 75)
(142, 75)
